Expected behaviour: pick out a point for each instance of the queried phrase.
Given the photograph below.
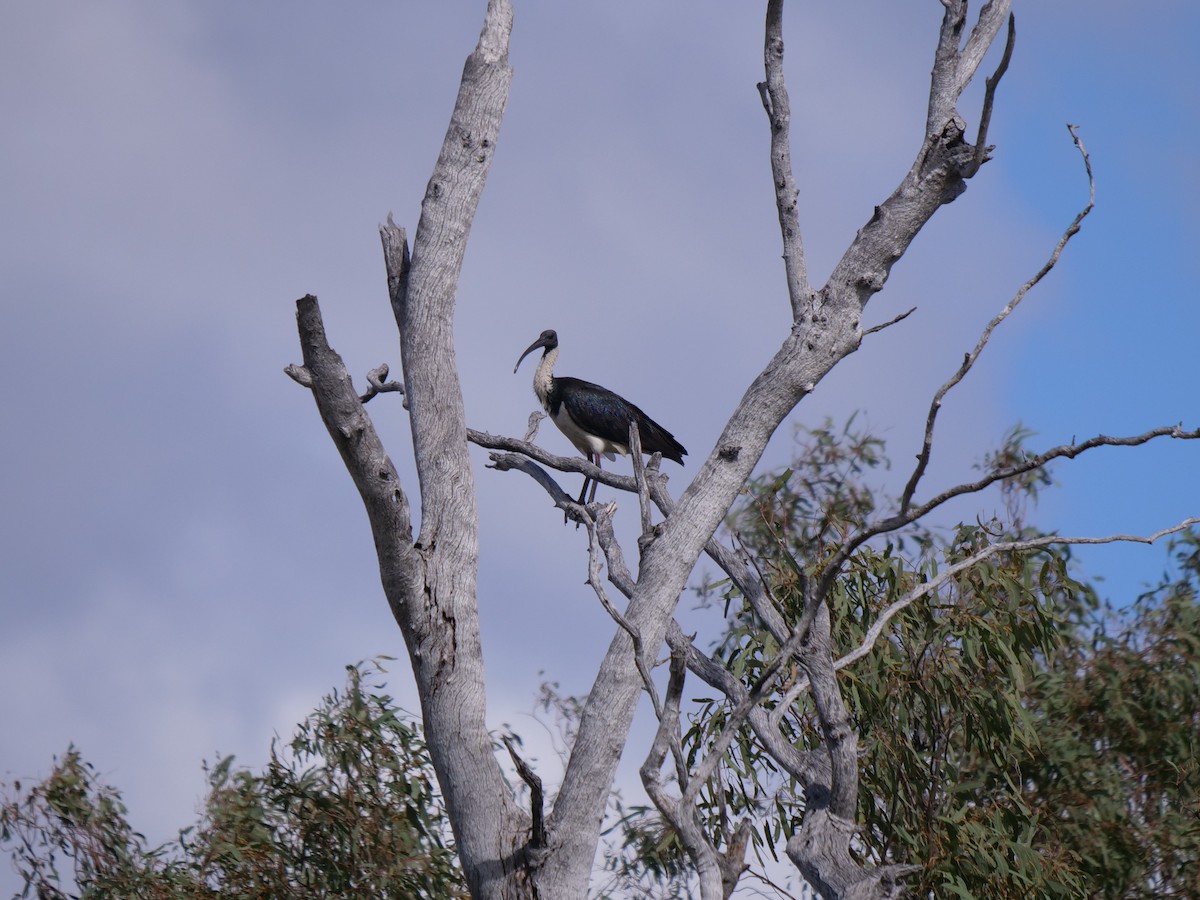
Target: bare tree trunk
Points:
(431, 583)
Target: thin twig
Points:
(597, 584)
(989, 96)
(639, 478)
(970, 358)
(889, 322)
(1087, 164)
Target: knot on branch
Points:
(872, 282)
(953, 131)
(299, 374)
(947, 163)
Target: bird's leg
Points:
(586, 482)
(592, 497)
(583, 492)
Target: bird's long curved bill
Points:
(532, 347)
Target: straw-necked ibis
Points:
(593, 418)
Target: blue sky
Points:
(185, 567)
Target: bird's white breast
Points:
(584, 442)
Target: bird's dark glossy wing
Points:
(607, 415)
(656, 439)
(595, 409)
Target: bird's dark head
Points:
(547, 339)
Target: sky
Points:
(185, 567)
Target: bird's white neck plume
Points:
(543, 375)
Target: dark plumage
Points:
(593, 418)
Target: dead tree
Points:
(507, 850)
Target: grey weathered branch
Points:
(561, 463)
(375, 381)
(298, 374)
(505, 462)
(537, 796)
(443, 637)
(738, 565)
(423, 614)
(939, 172)
(531, 428)
(376, 384)
(775, 101)
(956, 63)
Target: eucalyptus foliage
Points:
(1018, 738)
(348, 808)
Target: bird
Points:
(593, 418)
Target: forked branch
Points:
(681, 814)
